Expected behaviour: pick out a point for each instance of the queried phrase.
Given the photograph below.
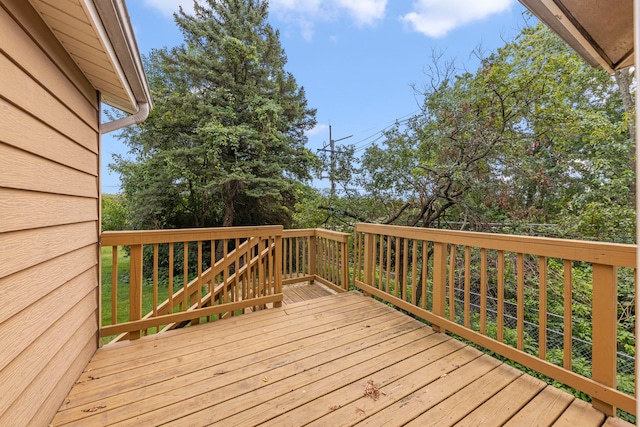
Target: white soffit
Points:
(77, 25)
(601, 31)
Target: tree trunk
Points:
(624, 80)
(230, 193)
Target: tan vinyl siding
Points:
(49, 218)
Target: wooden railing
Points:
(505, 293)
(316, 255)
(181, 277)
(466, 283)
(192, 275)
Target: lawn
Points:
(123, 290)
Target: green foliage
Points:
(533, 136)
(114, 213)
(224, 144)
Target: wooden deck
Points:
(304, 292)
(335, 360)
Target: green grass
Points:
(123, 289)
(122, 314)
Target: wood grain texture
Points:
(20, 89)
(21, 130)
(542, 410)
(57, 351)
(23, 210)
(21, 330)
(42, 279)
(20, 47)
(504, 404)
(595, 252)
(308, 363)
(580, 413)
(20, 250)
(24, 171)
(29, 19)
(49, 218)
(59, 391)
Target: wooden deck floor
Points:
(336, 360)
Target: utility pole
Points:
(332, 166)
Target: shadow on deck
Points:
(334, 360)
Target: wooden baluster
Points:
(155, 282)
(277, 271)
(301, 250)
(185, 276)
(520, 302)
(236, 282)
(380, 258)
(452, 284)
(369, 259)
(405, 269)
(483, 291)
(200, 274)
(114, 285)
(171, 249)
(439, 282)
(345, 263)
(291, 268)
(397, 292)
(225, 272)
(312, 258)
(500, 320)
(568, 315)
(542, 312)
(388, 265)
(425, 273)
(604, 331)
(356, 256)
(414, 272)
(467, 286)
(135, 287)
(333, 248)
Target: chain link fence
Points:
(581, 349)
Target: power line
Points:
(400, 120)
(332, 166)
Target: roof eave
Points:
(565, 25)
(124, 51)
(600, 32)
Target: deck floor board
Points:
(310, 363)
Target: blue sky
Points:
(356, 59)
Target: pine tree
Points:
(228, 125)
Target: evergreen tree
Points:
(227, 130)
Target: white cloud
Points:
(364, 12)
(435, 18)
(169, 7)
(303, 13)
(318, 129)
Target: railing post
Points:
(604, 331)
(278, 269)
(312, 257)
(369, 259)
(439, 282)
(345, 263)
(135, 287)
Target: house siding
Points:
(49, 218)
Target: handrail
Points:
(245, 277)
(432, 274)
(316, 255)
(418, 270)
(263, 258)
